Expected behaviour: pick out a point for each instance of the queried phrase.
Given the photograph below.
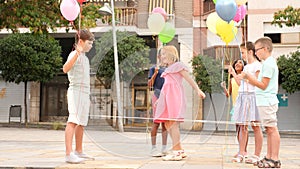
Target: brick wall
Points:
(183, 14)
(143, 13)
(196, 7)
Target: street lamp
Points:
(107, 10)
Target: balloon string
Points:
(73, 25)
(79, 22)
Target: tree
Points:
(39, 16)
(28, 57)
(289, 16)
(289, 66)
(208, 74)
(289, 71)
(133, 55)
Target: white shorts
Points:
(78, 106)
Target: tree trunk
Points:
(25, 102)
(215, 113)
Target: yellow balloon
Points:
(229, 37)
(227, 31)
(211, 22)
(241, 2)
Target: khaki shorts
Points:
(267, 114)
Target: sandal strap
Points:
(252, 159)
(238, 159)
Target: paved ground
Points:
(41, 148)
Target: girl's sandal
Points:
(252, 159)
(238, 159)
(270, 164)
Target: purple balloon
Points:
(226, 9)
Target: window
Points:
(208, 5)
(276, 37)
(284, 38)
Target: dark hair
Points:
(84, 35)
(233, 65)
(250, 47)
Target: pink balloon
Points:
(160, 11)
(70, 9)
(240, 13)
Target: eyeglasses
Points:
(258, 49)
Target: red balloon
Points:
(81, 1)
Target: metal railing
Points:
(125, 16)
(229, 53)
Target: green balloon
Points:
(167, 34)
(215, 1)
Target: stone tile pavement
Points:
(31, 148)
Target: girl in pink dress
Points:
(172, 102)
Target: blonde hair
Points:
(171, 53)
(265, 42)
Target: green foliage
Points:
(40, 16)
(208, 73)
(133, 57)
(28, 57)
(34, 14)
(89, 15)
(289, 72)
(289, 16)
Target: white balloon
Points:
(211, 22)
(156, 23)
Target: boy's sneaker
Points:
(155, 153)
(73, 159)
(164, 152)
(83, 155)
(174, 156)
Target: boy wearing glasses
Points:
(267, 102)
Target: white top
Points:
(79, 74)
(250, 69)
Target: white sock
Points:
(163, 148)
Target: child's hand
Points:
(201, 94)
(79, 48)
(223, 84)
(241, 76)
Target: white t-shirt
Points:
(250, 69)
(79, 75)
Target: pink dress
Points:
(171, 103)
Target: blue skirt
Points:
(245, 109)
